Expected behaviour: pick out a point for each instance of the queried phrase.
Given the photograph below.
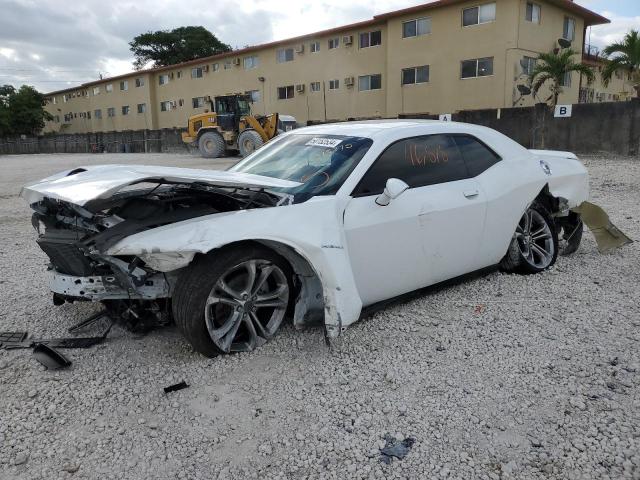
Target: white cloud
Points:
(603, 35)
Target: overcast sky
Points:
(55, 44)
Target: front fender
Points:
(313, 229)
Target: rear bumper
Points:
(97, 288)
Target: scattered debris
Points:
(90, 321)
(395, 448)
(12, 337)
(50, 357)
(177, 386)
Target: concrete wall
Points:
(129, 141)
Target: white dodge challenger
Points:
(314, 226)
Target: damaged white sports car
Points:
(316, 225)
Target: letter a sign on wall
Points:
(563, 111)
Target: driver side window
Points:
(418, 161)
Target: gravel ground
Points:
(501, 376)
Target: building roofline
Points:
(590, 17)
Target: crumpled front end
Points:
(76, 240)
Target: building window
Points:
(370, 82)
(197, 102)
(125, 110)
(196, 72)
(334, 84)
(139, 82)
(96, 91)
(97, 114)
(142, 107)
(569, 29)
(215, 67)
(528, 64)
(285, 93)
(109, 88)
(481, 14)
(124, 85)
(478, 67)
(227, 64)
(250, 62)
(334, 43)
(414, 75)
(111, 112)
(533, 12)
(165, 106)
(181, 102)
(163, 79)
(370, 39)
(254, 94)
(314, 47)
(315, 86)
(179, 74)
(566, 80)
(284, 55)
(89, 115)
(415, 28)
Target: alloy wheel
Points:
(246, 305)
(535, 239)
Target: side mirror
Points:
(393, 189)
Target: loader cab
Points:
(229, 110)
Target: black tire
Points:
(249, 141)
(515, 261)
(211, 145)
(197, 282)
(570, 231)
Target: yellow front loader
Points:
(229, 126)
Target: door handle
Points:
(471, 193)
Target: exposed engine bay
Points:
(74, 238)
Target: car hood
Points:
(81, 185)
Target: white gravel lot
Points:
(501, 376)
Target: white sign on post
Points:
(445, 117)
(563, 111)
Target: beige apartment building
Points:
(436, 58)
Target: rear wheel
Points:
(232, 300)
(211, 145)
(534, 246)
(249, 141)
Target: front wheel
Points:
(232, 300)
(534, 246)
(211, 145)
(249, 141)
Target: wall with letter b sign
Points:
(563, 111)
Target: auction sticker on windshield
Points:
(324, 142)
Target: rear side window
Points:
(418, 161)
(477, 156)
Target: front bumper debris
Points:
(98, 288)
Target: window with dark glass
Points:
(415, 75)
(370, 39)
(477, 156)
(418, 161)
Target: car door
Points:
(498, 181)
(409, 243)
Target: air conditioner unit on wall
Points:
(300, 48)
(300, 88)
(236, 61)
(347, 39)
(348, 81)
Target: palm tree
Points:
(627, 57)
(553, 67)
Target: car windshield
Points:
(320, 162)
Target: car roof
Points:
(396, 129)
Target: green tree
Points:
(626, 56)
(22, 111)
(553, 67)
(168, 47)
